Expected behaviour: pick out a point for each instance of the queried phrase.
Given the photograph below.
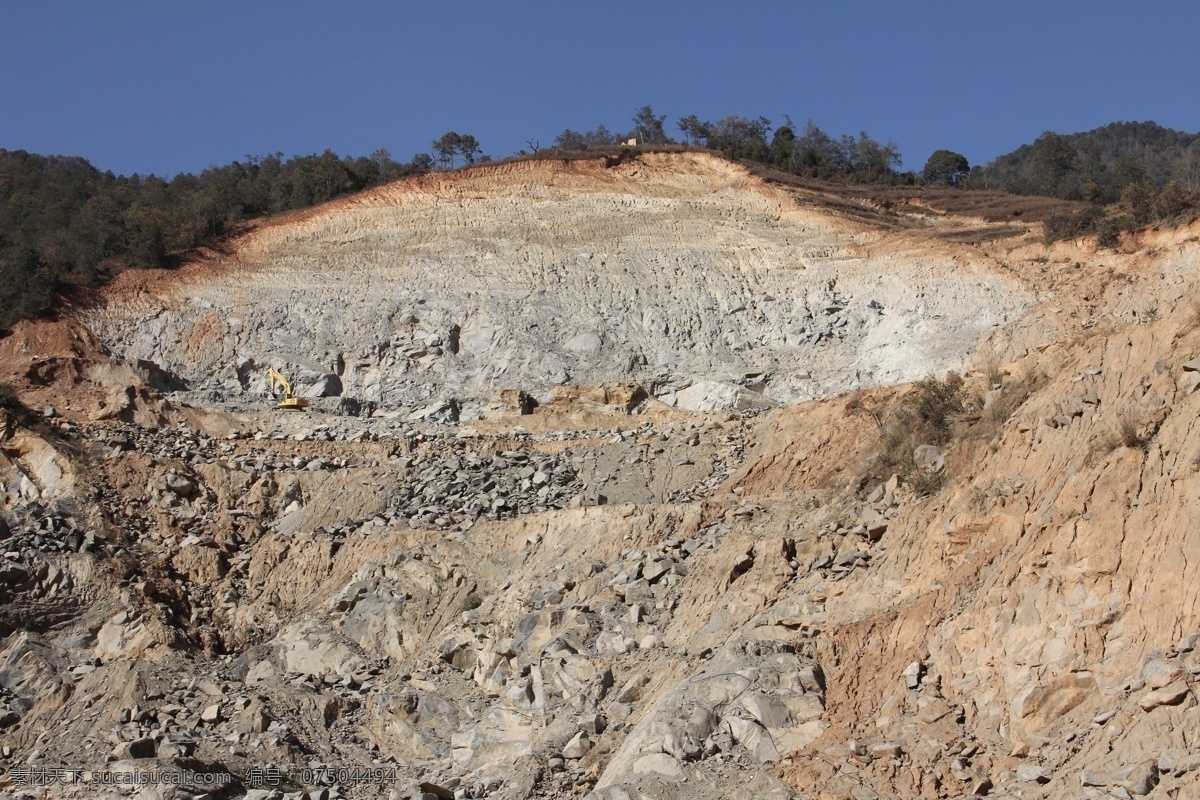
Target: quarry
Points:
(593, 498)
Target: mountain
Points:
(622, 477)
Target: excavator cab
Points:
(279, 383)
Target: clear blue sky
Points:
(167, 86)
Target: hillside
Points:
(537, 274)
(1098, 165)
(623, 478)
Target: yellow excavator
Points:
(289, 401)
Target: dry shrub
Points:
(925, 416)
(1129, 432)
(922, 482)
(1193, 317)
(1126, 432)
(993, 372)
(1012, 396)
(9, 401)
(944, 412)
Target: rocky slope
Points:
(674, 271)
(620, 594)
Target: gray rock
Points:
(770, 711)
(1141, 779)
(1032, 773)
(436, 790)
(981, 786)
(1166, 696)
(579, 746)
(1178, 761)
(653, 570)
(929, 457)
(1159, 672)
(138, 748)
(1188, 643)
(180, 485)
(700, 723)
(886, 750)
(659, 765)
(326, 385)
(633, 689)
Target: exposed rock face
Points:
(601, 591)
(676, 271)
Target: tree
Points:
(423, 161)
(1128, 171)
(1174, 200)
(468, 148)
(1187, 171)
(866, 160)
(694, 129)
(1053, 162)
(1140, 201)
(783, 147)
(600, 136)
(388, 168)
(817, 154)
(570, 140)
(739, 137)
(945, 168)
(63, 222)
(447, 147)
(648, 128)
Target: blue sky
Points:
(166, 87)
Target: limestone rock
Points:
(1168, 695)
(1160, 672)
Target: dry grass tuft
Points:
(1193, 318)
(1127, 432)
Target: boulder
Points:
(1169, 695)
(325, 385)
(138, 748)
(658, 765)
(1159, 672)
(717, 396)
(929, 457)
(579, 746)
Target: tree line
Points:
(1131, 174)
(1097, 166)
(64, 222)
(806, 151)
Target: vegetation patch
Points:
(1193, 316)
(956, 416)
(10, 401)
(924, 416)
(1125, 432)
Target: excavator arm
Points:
(289, 402)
